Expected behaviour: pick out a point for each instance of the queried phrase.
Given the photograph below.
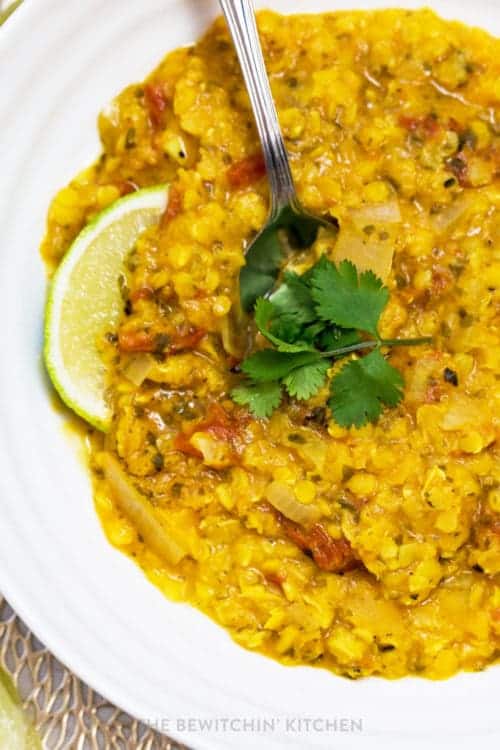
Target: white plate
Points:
(60, 62)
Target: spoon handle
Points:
(240, 19)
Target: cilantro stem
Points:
(376, 343)
(406, 342)
(351, 348)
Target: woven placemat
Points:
(66, 713)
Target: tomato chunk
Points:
(174, 206)
(156, 102)
(188, 340)
(217, 422)
(144, 292)
(424, 125)
(247, 171)
(183, 445)
(136, 341)
(332, 555)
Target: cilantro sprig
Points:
(311, 321)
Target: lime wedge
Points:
(84, 300)
(15, 730)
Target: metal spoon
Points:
(264, 255)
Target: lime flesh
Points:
(85, 301)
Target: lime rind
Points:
(121, 223)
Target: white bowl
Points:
(164, 662)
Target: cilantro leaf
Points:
(293, 299)
(268, 364)
(312, 333)
(320, 264)
(305, 381)
(346, 299)
(362, 387)
(261, 398)
(254, 284)
(265, 254)
(287, 330)
(265, 311)
(261, 269)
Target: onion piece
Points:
(367, 252)
(281, 497)
(138, 368)
(376, 213)
(235, 333)
(148, 521)
(450, 214)
(229, 337)
(216, 453)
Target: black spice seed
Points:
(449, 182)
(158, 461)
(130, 138)
(478, 568)
(294, 437)
(466, 319)
(176, 489)
(450, 376)
(386, 647)
(347, 472)
(127, 308)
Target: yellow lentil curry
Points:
(386, 559)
